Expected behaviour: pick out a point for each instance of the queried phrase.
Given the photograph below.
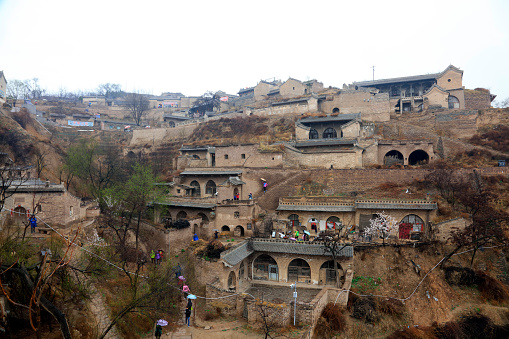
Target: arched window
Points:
(232, 281)
(172, 124)
(225, 228)
(453, 102)
(393, 157)
(181, 215)
(418, 157)
(203, 217)
(265, 268)
(299, 270)
(330, 133)
(294, 220)
(210, 188)
(412, 219)
(196, 156)
(195, 191)
(236, 214)
(313, 134)
(335, 110)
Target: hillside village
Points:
(351, 195)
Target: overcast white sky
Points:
(196, 46)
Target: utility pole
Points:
(373, 72)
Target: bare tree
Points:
(271, 318)
(137, 105)
(333, 246)
(40, 161)
(11, 178)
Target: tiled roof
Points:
(325, 142)
(293, 247)
(423, 77)
(340, 117)
(177, 117)
(187, 204)
(317, 208)
(236, 254)
(396, 205)
(211, 173)
(35, 185)
(234, 181)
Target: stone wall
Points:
(247, 156)
(370, 105)
(59, 208)
(180, 239)
(479, 98)
(293, 107)
(335, 158)
(444, 229)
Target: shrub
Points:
(491, 288)
(365, 308)
(390, 306)
(461, 276)
(334, 316)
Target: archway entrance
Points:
(418, 157)
(181, 215)
(299, 270)
(232, 282)
(20, 213)
(393, 157)
(225, 228)
(239, 231)
(265, 268)
(195, 191)
(328, 273)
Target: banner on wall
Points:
(80, 123)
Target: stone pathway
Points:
(101, 314)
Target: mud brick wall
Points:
(477, 99)
(227, 305)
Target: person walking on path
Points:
(153, 257)
(188, 316)
(265, 186)
(33, 223)
(159, 331)
(250, 196)
(158, 258)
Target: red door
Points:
(404, 231)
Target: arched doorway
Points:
(265, 268)
(225, 228)
(393, 157)
(204, 218)
(418, 157)
(195, 191)
(235, 192)
(299, 270)
(181, 215)
(239, 231)
(172, 123)
(232, 282)
(410, 223)
(334, 222)
(294, 220)
(210, 188)
(453, 102)
(330, 133)
(328, 273)
(313, 134)
(20, 213)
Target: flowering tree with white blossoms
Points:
(382, 226)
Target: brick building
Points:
(51, 202)
(3, 87)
